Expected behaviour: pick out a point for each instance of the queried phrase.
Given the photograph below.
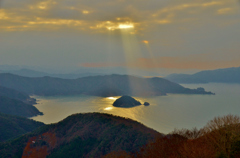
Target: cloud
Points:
(22, 14)
(226, 11)
(168, 30)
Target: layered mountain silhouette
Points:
(17, 103)
(14, 94)
(108, 85)
(33, 73)
(228, 75)
(17, 107)
(81, 135)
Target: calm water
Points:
(164, 114)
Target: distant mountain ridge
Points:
(227, 75)
(34, 73)
(108, 85)
(81, 135)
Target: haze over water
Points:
(164, 113)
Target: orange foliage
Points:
(176, 146)
(39, 147)
(120, 154)
(166, 147)
(219, 137)
(197, 148)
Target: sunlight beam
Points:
(125, 26)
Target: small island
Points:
(126, 101)
(146, 103)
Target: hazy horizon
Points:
(82, 70)
(156, 37)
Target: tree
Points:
(222, 133)
(195, 146)
(165, 147)
(189, 134)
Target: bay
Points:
(164, 114)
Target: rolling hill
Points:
(108, 85)
(14, 126)
(81, 135)
(17, 107)
(17, 103)
(14, 94)
(227, 75)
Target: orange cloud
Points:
(97, 15)
(226, 11)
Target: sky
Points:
(158, 36)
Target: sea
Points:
(164, 114)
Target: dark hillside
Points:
(109, 85)
(11, 93)
(14, 126)
(220, 138)
(126, 101)
(17, 107)
(82, 135)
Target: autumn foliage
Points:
(107, 136)
(219, 138)
(38, 146)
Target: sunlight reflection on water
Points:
(164, 113)
(112, 98)
(108, 108)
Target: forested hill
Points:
(109, 85)
(14, 94)
(14, 126)
(227, 75)
(17, 107)
(82, 135)
(17, 103)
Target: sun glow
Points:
(145, 41)
(125, 26)
(85, 12)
